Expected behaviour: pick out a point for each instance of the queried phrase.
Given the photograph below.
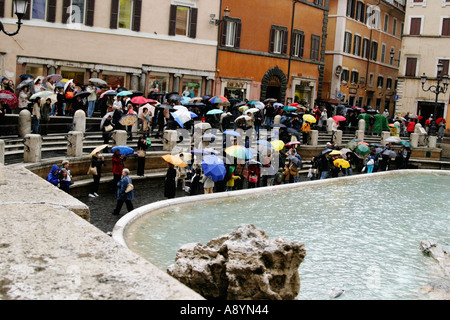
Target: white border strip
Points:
(121, 226)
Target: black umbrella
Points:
(166, 106)
(279, 125)
(83, 94)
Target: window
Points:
(231, 33)
(351, 8)
(183, 21)
(394, 27)
(318, 2)
(389, 83)
(445, 64)
(386, 23)
(344, 75)
(298, 43)
(278, 40)
(391, 57)
(357, 46)
(445, 27)
(383, 53)
(415, 25)
(38, 9)
(348, 42)
(411, 64)
(355, 77)
(315, 45)
(365, 51)
(360, 11)
(380, 82)
(374, 51)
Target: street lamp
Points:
(226, 14)
(20, 8)
(392, 53)
(438, 88)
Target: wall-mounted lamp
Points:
(20, 8)
(226, 14)
(392, 53)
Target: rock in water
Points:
(244, 264)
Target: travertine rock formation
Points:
(244, 264)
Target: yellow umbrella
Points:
(342, 163)
(309, 118)
(98, 149)
(243, 108)
(175, 160)
(335, 153)
(277, 144)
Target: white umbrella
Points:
(41, 94)
(67, 84)
(392, 139)
(252, 110)
(105, 117)
(243, 117)
(98, 81)
(141, 110)
(203, 125)
(180, 107)
(181, 116)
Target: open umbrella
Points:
(393, 139)
(214, 111)
(239, 152)
(125, 93)
(128, 119)
(139, 100)
(83, 94)
(244, 117)
(41, 94)
(196, 99)
(202, 125)
(98, 149)
(256, 104)
(180, 107)
(405, 143)
(54, 77)
(124, 150)
(165, 106)
(204, 151)
(362, 149)
(295, 160)
(8, 98)
(181, 117)
(231, 133)
(208, 137)
(252, 110)
(277, 144)
(309, 118)
(339, 118)
(335, 153)
(141, 110)
(66, 85)
(175, 160)
(243, 108)
(342, 163)
(214, 168)
(292, 143)
(108, 93)
(98, 81)
(219, 100)
(109, 114)
(289, 108)
(24, 83)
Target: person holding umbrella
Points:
(170, 183)
(117, 166)
(122, 195)
(24, 95)
(97, 163)
(36, 113)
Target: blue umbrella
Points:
(124, 150)
(124, 93)
(214, 111)
(232, 133)
(204, 151)
(193, 115)
(214, 168)
(264, 143)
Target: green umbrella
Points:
(405, 143)
(362, 149)
(351, 145)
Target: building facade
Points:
(362, 52)
(151, 46)
(271, 49)
(426, 43)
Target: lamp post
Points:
(20, 8)
(438, 88)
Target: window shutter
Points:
(114, 14)
(415, 26)
(411, 67)
(172, 20)
(272, 38)
(51, 11)
(90, 7)
(2, 8)
(223, 33)
(446, 27)
(193, 23)
(137, 12)
(237, 40)
(65, 13)
(285, 42)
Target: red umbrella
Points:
(139, 100)
(439, 120)
(339, 118)
(292, 143)
(8, 98)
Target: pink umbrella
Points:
(106, 92)
(339, 118)
(139, 100)
(8, 98)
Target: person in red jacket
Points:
(117, 167)
(411, 125)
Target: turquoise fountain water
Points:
(362, 235)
